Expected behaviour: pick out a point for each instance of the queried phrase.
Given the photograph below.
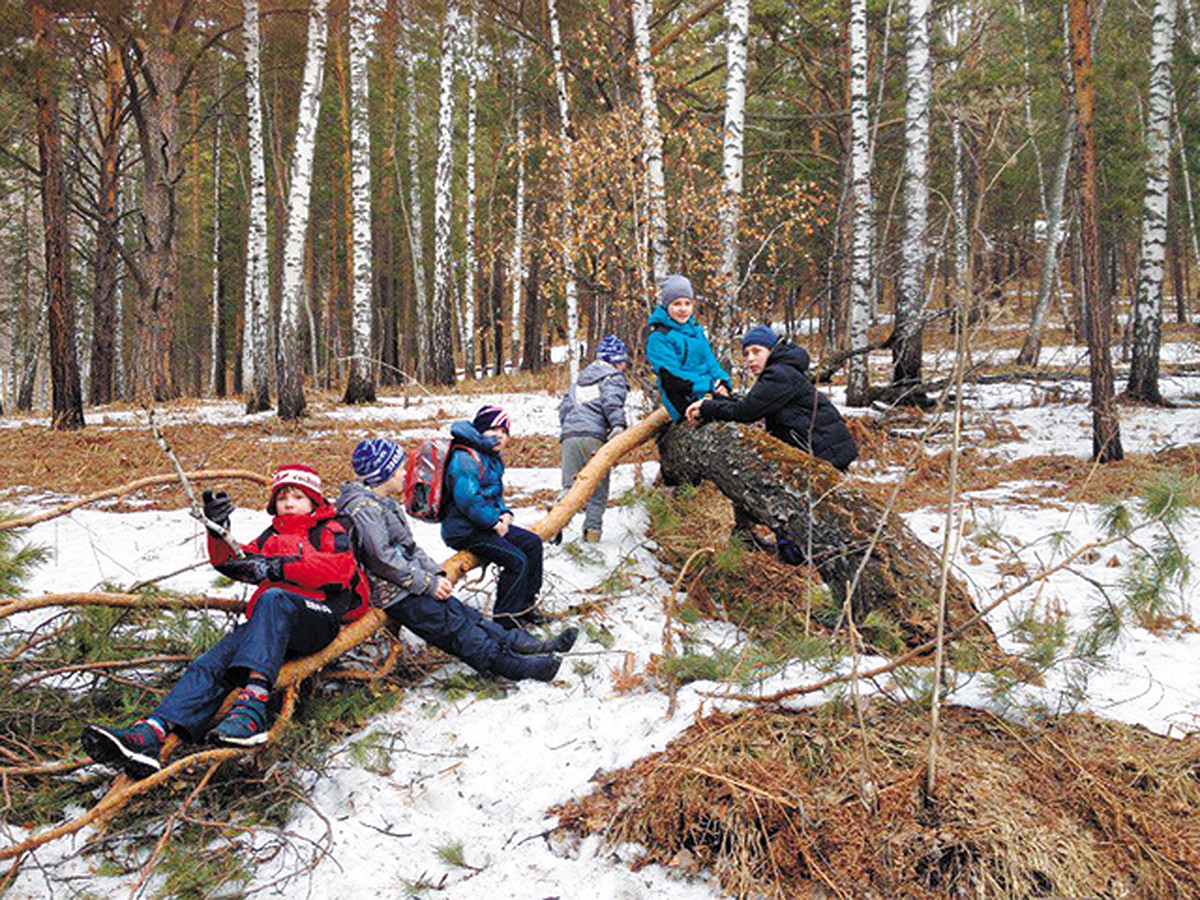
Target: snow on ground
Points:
(483, 772)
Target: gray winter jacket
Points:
(396, 566)
(594, 406)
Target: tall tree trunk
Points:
(1190, 207)
(361, 385)
(386, 213)
(1106, 432)
(737, 15)
(652, 150)
(910, 296)
(216, 374)
(104, 291)
(859, 306)
(518, 248)
(416, 217)
(289, 377)
(256, 305)
(1147, 311)
(470, 325)
(567, 167)
(442, 345)
(67, 394)
(1055, 230)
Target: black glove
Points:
(218, 507)
(678, 390)
(254, 568)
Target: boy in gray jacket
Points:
(414, 591)
(591, 412)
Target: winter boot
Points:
(246, 724)
(591, 536)
(524, 642)
(511, 665)
(134, 750)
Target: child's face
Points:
(291, 501)
(395, 484)
(680, 309)
(756, 358)
(500, 435)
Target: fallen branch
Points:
(122, 490)
(101, 598)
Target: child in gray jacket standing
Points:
(591, 412)
(414, 591)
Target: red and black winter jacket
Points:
(319, 564)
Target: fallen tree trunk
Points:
(860, 549)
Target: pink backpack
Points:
(424, 484)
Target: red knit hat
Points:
(297, 475)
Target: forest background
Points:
(213, 197)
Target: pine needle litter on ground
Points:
(812, 803)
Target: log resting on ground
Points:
(795, 494)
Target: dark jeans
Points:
(453, 627)
(519, 556)
(284, 625)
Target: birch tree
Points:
(910, 296)
(289, 379)
(416, 212)
(1106, 432)
(858, 309)
(255, 374)
(442, 344)
(361, 386)
(518, 247)
(566, 163)
(469, 316)
(66, 390)
(652, 148)
(737, 14)
(1147, 310)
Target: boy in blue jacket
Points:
(678, 350)
(478, 520)
(414, 591)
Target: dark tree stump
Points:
(853, 537)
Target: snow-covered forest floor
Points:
(447, 795)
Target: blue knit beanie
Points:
(674, 287)
(612, 349)
(490, 417)
(762, 335)
(375, 460)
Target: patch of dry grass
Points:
(807, 804)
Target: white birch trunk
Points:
(737, 14)
(290, 402)
(652, 149)
(567, 159)
(416, 220)
(906, 352)
(1181, 302)
(216, 361)
(858, 311)
(361, 385)
(442, 344)
(255, 375)
(469, 314)
(1147, 314)
(518, 248)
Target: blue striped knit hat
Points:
(490, 417)
(375, 460)
(612, 349)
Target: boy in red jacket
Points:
(308, 584)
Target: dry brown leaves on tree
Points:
(806, 804)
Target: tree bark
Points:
(104, 290)
(566, 171)
(860, 549)
(255, 380)
(361, 385)
(1106, 432)
(441, 319)
(737, 15)
(652, 149)
(67, 393)
(859, 305)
